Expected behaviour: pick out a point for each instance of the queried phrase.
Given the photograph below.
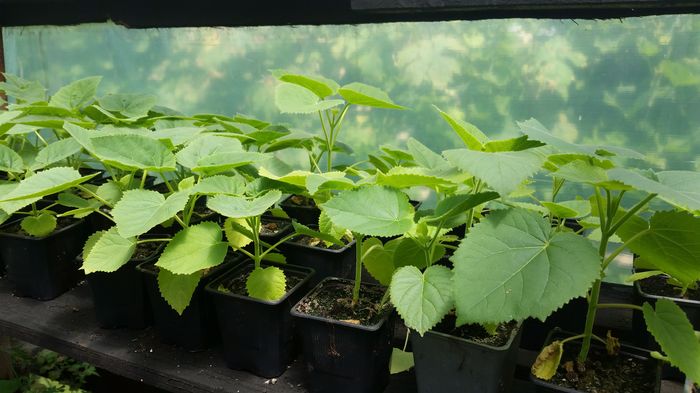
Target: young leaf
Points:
(472, 137)
(131, 152)
(90, 243)
(402, 178)
(76, 95)
(129, 105)
(236, 238)
(400, 361)
(110, 191)
(512, 144)
(109, 252)
(10, 161)
(362, 94)
(50, 181)
(194, 248)
(267, 283)
(458, 204)
(140, 210)
(39, 226)
(410, 252)
(378, 259)
(678, 197)
(292, 98)
(422, 299)
(515, 259)
(205, 146)
(371, 211)
(669, 242)
(304, 230)
(424, 156)
(535, 130)
(686, 183)
(503, 171)
(568, 209)
(242, 207)
(642, 275)
(547, 362)
(222, 162)
(22, 89)
(674, 333)
(333, 181)
(322, 87)
(220, 184)
(177, 289)
(177, 135)
(55, 152)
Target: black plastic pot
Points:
(342, 357)
(326, 262)
(285, 227)
(690, 307)
(120, 297)
(43, 268)
(196, 329)
(450, 364)
(258, 335)
(307, 215)
(639, 353)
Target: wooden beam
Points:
(2, 69)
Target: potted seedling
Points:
(666, 240)
(346, 325)
(325, 98)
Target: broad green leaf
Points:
(5, 120)
(81, 135)
(267, 283)
(580, 171)
(680, 198)
(642, 275)
(129, 105)
(361, 94)
(39, 226)
(400, 177)
(674, 333)
(242, 207)
(55, 152)
(400, 361)
(371, 211)
(140, 210)
(333, 181)
(535, 130)
(274, 257)
(22, 89)
(292, 98)
(90, 243)
(193, 249)
(569, 209)
(222, 162)
(110, 191)
(410, 251)
(10, 161)
(131, 152)
(669, 241)
(259, 124)
(422, 298)
(178, 135)
(378, 259)
(69, 199)
(547, 362)
(297, 177)
(322, 87)
(513, 144)
(204, 146)
(460, 203)
(177, 289)
(76, 95)
(220, 184)
(472, 137)
(325, 225)
(502, 171)
(109, 252)
(514, 265)
(47, 182)
(304, 230)
(237, 239)
(423, 156)
(687, 183)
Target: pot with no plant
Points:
(347, 326)
(253, 299)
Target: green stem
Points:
(141, 241)
(572, 338)
(256, 241)
(179, 221)
(274, 246)
(618, 250)
(631, 213)
(144, 175)
(92, 194)
(167, 183)
(98, 211)
(621, 305)
(358, 268)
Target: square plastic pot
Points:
(307, 215)
(258, 335)
(342, 357)
(120, 297)
(639, 353)
(43, 268)
(196, 329)
(449, 364)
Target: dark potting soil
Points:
(334, 301)
(145, 250)
(236, 285)
(16, 228)
(301, 200)
(314, 242)
(659, 286)
(270, 228)
(476, 332)
(604, 373)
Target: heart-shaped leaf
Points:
(422, 298)
(140, 210)
(205, 146)
(41, 184)
(378, 259)
(322, 87)
(514, 265)
(109, 252)
(130, 152)
(267, 283)
(220, 184)
(177, 289)
(76, 95)
(129, 105)
(193, 249)
(39, 226)
(292, 98)
(568, 209)
(242, 207)
(55, 152)
(472, 137)
(236, 238)
(361, 94)
(400, 361)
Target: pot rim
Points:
(505, 347)
(678, 300)
(32, 238)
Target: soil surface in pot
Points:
(315, 242)
(334, 301)
(603, 373)
(270, 228)
(476, 332)
(145, 250)
(301, 200)
(16, 228)
(236, 285)
(659, 286)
